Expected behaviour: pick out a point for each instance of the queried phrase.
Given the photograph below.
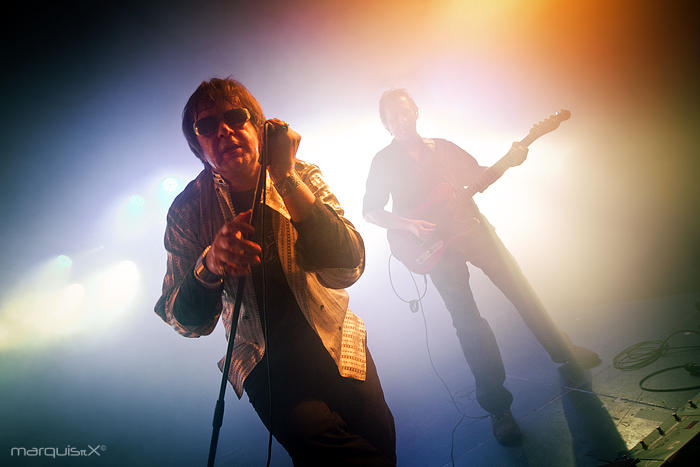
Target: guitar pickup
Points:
(429, 252)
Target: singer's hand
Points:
(230, 253)
(283, 143)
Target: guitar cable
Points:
(416, 305)
(645, 353)
(413, 304)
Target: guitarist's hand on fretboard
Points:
(517, 154)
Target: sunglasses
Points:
(207, 126)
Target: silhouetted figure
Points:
(439, 229)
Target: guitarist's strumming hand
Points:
(420, 228)
(383, 218)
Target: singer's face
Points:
(231, 151)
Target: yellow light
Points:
(44, 308)
(32, 318)
(110, 294)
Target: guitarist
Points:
(411, 170)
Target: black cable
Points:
(687, 367)
(645, 353)
(415, 306)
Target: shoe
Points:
(574, 376)
(506, 429)
(583, 357)
(580, 357)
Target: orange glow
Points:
(594, 198)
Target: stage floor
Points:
(147, 395)
(589, 422)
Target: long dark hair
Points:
(213, 92)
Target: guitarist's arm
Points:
(518, 152)
(516, 156)
(389, 220)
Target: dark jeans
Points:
(484, 249)
(319, 417)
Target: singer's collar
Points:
(274, 200)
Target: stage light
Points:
(116, 285)
(63, 261)
(168, 189)
(46, 306)
(170, 185)
(38, 315)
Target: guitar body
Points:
(445, 208)
(421, 256)
(417, 255)
(441, 208)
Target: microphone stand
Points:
(219, 410)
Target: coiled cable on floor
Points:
(645, 353)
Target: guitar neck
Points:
(526, 141)
(495, 172)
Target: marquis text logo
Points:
(54, 452)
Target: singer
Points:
(304, 362)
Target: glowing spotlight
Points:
(116, 285)
(168, 188)
(63, 261)
(41, 315)
(170, 185)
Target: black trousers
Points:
(319, 417)
(484, 249)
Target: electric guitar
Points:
(421, 255)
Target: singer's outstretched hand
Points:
(230, 252)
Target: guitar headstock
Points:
(516, 156)
(550, 123)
